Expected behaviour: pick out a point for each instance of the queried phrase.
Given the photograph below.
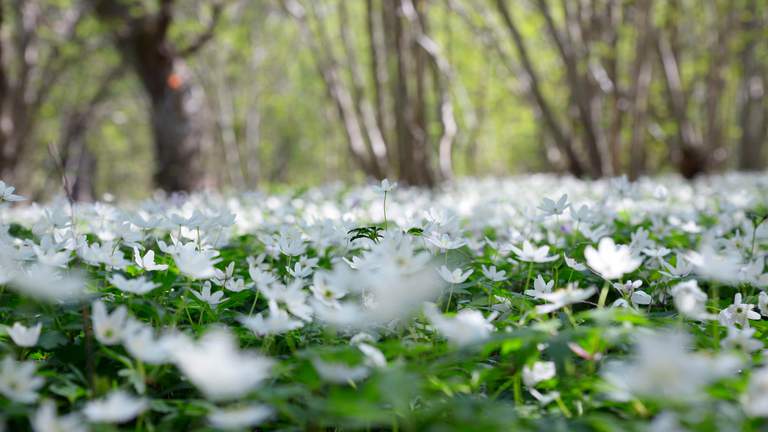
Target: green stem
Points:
(566, 412)
(450, 295)
(518, 389)
(603, 295)
(530, 275)
(385, 211)
(569, 314)
(253, 306)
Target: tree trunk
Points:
(753, 113)
(142, 41)
(177, 144)
(641, 81)
(176, 140)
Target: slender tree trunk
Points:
(753, 112)
(558, 132)
(641, 81)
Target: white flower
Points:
(236, 285)
(572, 263)
(292, 297)
(636, 297)
(444, 241)
(205, 295)
(373, 356)
(656, 253)
(640, 298)
(139, 286)
(738, 313)
(299, 271)
(682, 267)
(51, 256)
(6, 193)
(762, 303)
(222, 277)
(385, 186)
(25, 336)
(466, 327)
(116, 407)
(45, 419)
(277, 322)
(362, 337)
(217, 367)
(611, 261)
(290, 243)
(540, 286)
(690, 300)
(329, 288)
(140, 342)
(18, 381)
(194, 263)
(544, 399)
(261, 277)
(244, 417)
(494, 275)
(552, 208)
(50, 284)
(540, 371)
(147, 262)
(628, 287)
(453, 277)
(741, 340)
(755, 401)
(108, 328)
(717, 266)
(529, 253)
(340, 373)
(663, 367)
(582, 214)
(563, 297)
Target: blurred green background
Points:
(123, 97)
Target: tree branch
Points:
(562, 142)
(206, 35)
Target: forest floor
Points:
(527, 303)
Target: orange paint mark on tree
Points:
(174, 81)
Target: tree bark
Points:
(142, 41)
(560, 137)
(641, 81)
(753, 113)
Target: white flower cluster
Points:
(198, 283)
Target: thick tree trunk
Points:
(143, 44)
(176, 142)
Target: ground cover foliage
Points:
(529, 303)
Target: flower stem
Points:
(253, 306)
(385, 211)
(530, 275)
(603, 295)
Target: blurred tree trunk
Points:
(642, 71)
(697, 146)
(753, 110)
(143, 42)
(560, 134)
(78, 163)
(387, 120)
(29, 70)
